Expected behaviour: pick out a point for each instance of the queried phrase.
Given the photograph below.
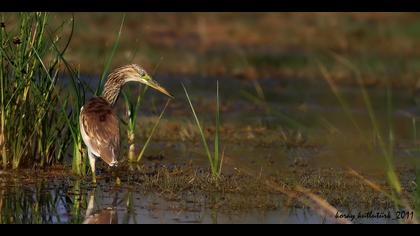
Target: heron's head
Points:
(136, 73)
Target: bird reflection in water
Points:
(104, 216)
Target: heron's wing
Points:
(100, 129)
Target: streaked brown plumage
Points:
(98, 122)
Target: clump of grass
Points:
(215, 160)
(79, 159)
(74, 102)
(31, 132)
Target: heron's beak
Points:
(147, 80)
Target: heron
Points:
(99, 125)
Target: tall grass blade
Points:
(152, 132)
(217, 135)
(111, 56)
(386, 150)
(200, 129)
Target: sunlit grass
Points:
(33, 130)
(216, 159)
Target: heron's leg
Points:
(92, 160)
(90, 204)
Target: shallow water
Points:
(56, 202)
(256, 143)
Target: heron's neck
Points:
(111, 91)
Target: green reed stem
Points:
(214, 161)
(152, 132)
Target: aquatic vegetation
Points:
(132, 114)
(215, 160)
(77, 98)
(37, 206)
(32, 134)
(382, 138)
(151, 133)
